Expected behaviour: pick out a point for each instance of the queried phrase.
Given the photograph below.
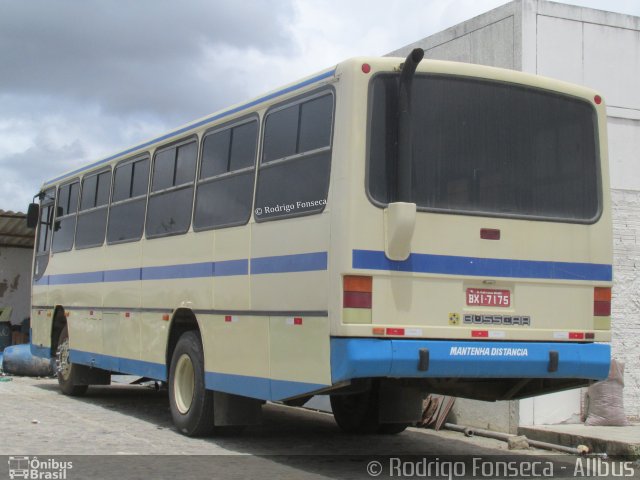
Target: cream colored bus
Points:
(385, 228)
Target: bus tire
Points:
(356, 412)
(392, 428)
(65, 370)
(191, 403)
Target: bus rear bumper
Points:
(398, 358)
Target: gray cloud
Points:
(82, 79)
(130, 56)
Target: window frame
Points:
(297, 100)
(64, 217)
(129, 160)
(470, 213)
(237, 122)
(107, 205)
(193, 138)
(49, 224)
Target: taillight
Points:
(602, 301)
(357, 292)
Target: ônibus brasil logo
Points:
(33, 468)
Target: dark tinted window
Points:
(300, 184)
(186, 163)
(140, 178)
(122, 182)
(89, 192)
(243, 146)
(315, 124)
(164, 169)
(104, 185)
(281, 134)
(169, 211)
(46, 221)
(92, 219)
(91, 227)
(215, 154)
(126, 214)
(126, 221)
(95, 190)
(489, 148)
(43, 236)
(65, 222)
(226, 200)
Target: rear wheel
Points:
(359, 413)
(191, 404)
(66, 370)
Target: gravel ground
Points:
(126, 432)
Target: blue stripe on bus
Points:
(74, 278)
(200, 123)
(304, 262)
(227, 268)
(248, 386)
(168, 272)
(157, 371)
(483, 267)
(123, 275)
(398, 358)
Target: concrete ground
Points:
(130, 428)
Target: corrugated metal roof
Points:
(14, 231)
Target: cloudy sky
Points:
(82, 79)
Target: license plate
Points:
(488, 298)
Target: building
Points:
(16, 253)
(601, 50)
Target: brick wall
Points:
(626, 293)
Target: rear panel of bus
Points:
(512, 238)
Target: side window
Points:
(126, 215)
(293, 178)
(64, 226)
(225, 186)
(43, 236)
(171, 198)
(94, 202)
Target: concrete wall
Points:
(15, 281)
(601, 50)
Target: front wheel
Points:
(191, 404)
(67, 371)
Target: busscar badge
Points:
(454, 319)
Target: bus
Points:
(383, 229)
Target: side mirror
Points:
(33, 214)
(399, 223)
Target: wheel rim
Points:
(62, 361)
(184, 383)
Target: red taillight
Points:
(602, 302)
(366, 68)
(357, 292)
(576, 335)
(597, 99)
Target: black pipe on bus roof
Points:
(405, 144)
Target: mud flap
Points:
(229, 409)
(399, 403)
(84, 375)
